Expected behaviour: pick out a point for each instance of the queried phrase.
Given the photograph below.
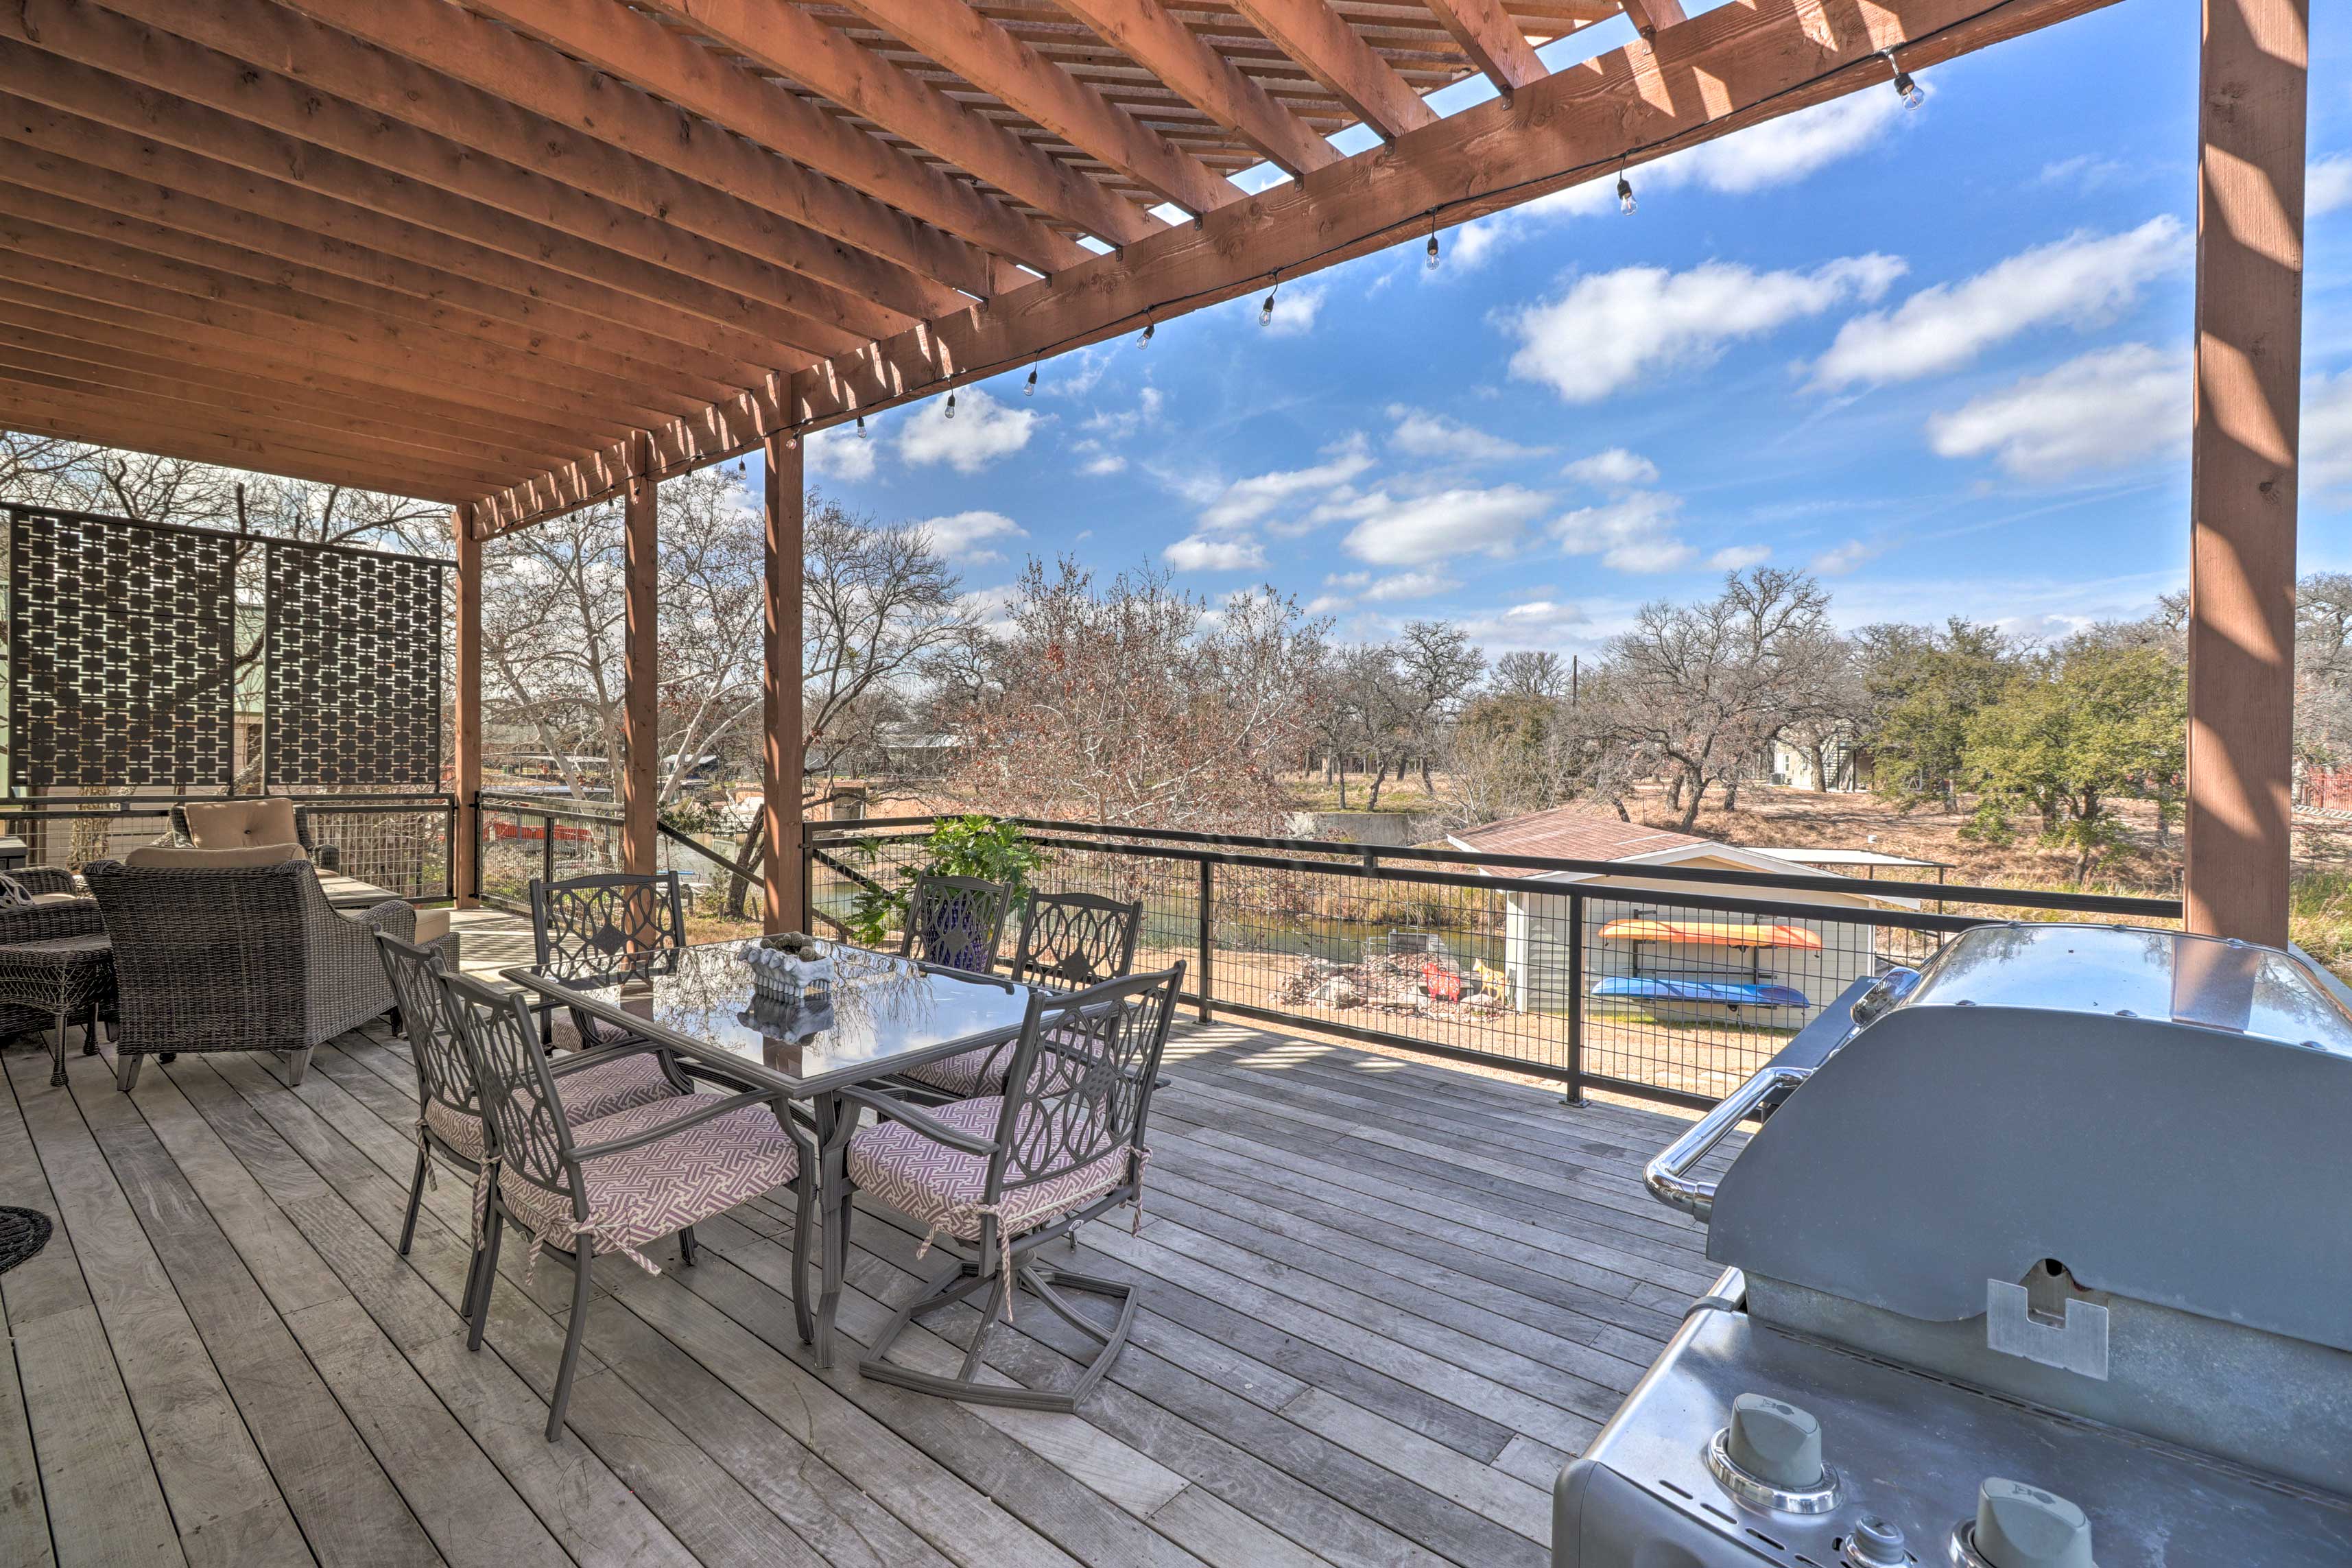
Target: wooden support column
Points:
(2242, 486)
(780, 754)
(468, 781)
(640, 659)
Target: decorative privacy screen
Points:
(354, 668)
(119, 652)
(131, 660)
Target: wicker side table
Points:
(66, 977)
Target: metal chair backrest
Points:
(519, 1097)
(956, 921)
(444, 1074)
(1078, 1089)
(617, 925)
(1071, 941)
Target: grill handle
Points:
(1668, 1176)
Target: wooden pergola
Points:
(521, 256)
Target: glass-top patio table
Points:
(882, 1015)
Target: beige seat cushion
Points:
(432, 925)
(241, 824)
(165, 857)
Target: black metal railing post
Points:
(547, 850)
(808, 885)
(1573, 1091)
(1206, 981)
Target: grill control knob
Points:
(1776, 1442)
(2022, 1526)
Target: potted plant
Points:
(978, 846)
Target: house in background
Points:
(1685, 963)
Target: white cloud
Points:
(1777, 153)
(1634, 533)
(981, 431)
(1196, 553)
(1422, 584)
(1244, 502)
(2102, 410)
(1540, 623)
(2328, 185)
(1413, 530)
(1612, 328)
(839, 453)
(990, 606)
(1739, 557)
(965, 536)
(1426, 435)
(1844, 558)
(1294, 310)
(2083, 278)
(1615, 469)
(1109, 463)
(2327, 434)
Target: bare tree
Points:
(1530, 673)
(1437, 670)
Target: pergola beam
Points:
(1492, 40)
(1147, 33)
(991, 58)
(1332, 52)
(636, 48)
(1732, 67)
(836, 287)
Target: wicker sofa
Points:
(238, 958)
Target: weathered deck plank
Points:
(1382, 1302)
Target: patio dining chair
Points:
(999, 1177)
(955, 922)
(449, 1121)
(618, 1181)
(1067, 941)
(613, 925)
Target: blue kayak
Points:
(1729, 993)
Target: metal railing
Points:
(1669, 983)
(518, 838)
(401, 842)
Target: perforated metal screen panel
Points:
(119, 656)
(354, 668)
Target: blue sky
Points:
(1936, 356)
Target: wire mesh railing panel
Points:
(405, 850)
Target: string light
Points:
(861, 426)
(1029, 387)
(1143, 339)
(1624, 195)
(1905, 87)
(1432, 262)
(950, 412)
(1265, 308)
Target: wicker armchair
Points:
(248, 958)
(326, 856)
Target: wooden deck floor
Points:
(1384, 1301)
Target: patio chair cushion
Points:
(926, 1180)
(657, 1188)
(587, 1095)
(168, 857)
(432, 925)
(968, 1074)
(242, 824)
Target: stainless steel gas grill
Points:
(2042, 1257)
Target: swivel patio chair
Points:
(1067, 941)
(223, 957)
(1000, 1177)
(611, 926)
(618, 1181)
(955, 922)
(449, 1121)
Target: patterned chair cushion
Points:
(657, 1188)
(969, 1075)
(928, 1181)
(587, 1095)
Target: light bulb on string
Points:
(1624, 196)
(1143, 339)
(1266, 306)
(1029, 387)
(1432, 262)
(949, 413)
(1909, 91)
(861, 426)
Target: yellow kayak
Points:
(1713, 934)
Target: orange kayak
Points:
(1713, 934)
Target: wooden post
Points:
(782, 891)
(463, 866)
(2242, 485)
(641, 746)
